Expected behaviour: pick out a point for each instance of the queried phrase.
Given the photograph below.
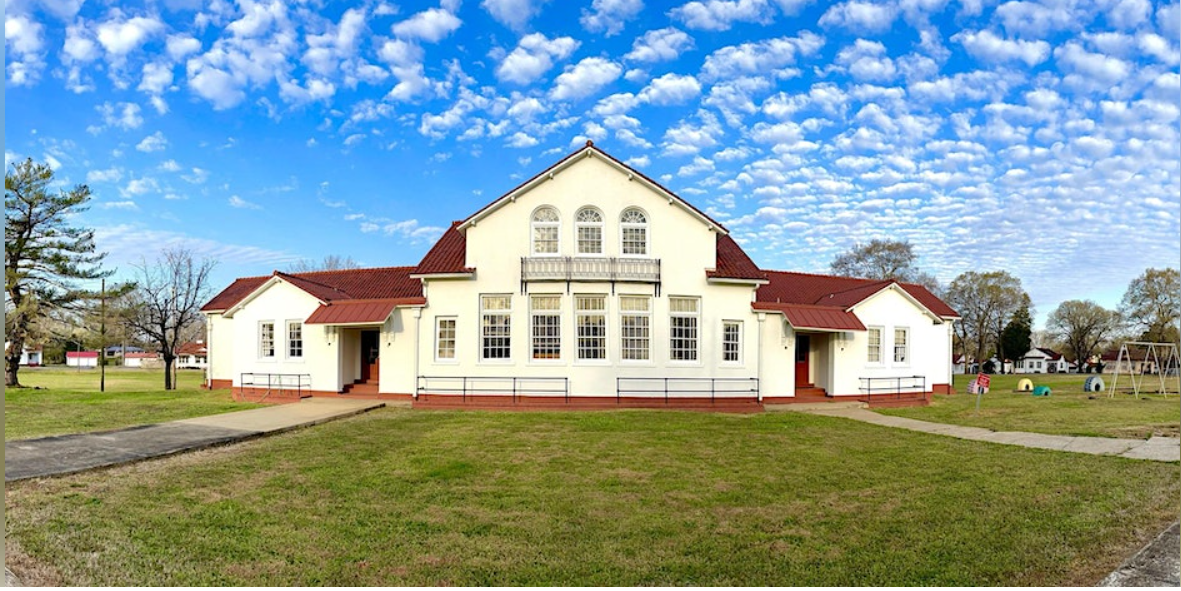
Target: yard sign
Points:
(980, 387)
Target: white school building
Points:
(589, 284)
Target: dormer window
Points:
(588, 229)
(546, 225)
(633, 231)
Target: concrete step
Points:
(806, 406)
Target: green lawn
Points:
(1067, 411)
(68, 401)
(400, 497)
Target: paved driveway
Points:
(66, 454)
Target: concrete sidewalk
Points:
(66, 454)
(1159, 449)
(1156, 565)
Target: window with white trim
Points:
(874, 348)
(588, 231)
(590, 317)
(731, 341)
(635, 321)
(546, 228)
(684, 316)
(633, 233)
(295, 339)
(266, 339)
(901, 345)
(445, 338)
(496, 327)
(547, 326)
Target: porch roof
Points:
(360, 311)
(805, 317)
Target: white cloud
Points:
(671, 89)
(660, 45)
(533, 57)
(987, 47)
(157, 77)
(585, 78)
(1102, 69)
(123, 115)
(121, 37)
(688, 138)
(23, 41)
(1035, 20)
(610, 16)
(1129, 14)
(215, 85)
(153, 143)
(860, 17)
(140, 186)
(720, 15)
(110, 175)
(514, 14)
(240, 203)
(1168, 18)
(119, 205)
(431, 25)
(170, 166)
(762, 57)
(867, 60)
(181, 45)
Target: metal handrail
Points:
(895, 385)
(488, 385)
(745, 387)
(276, 382)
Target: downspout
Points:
(759, 364)
(417, 340)
(208, 352)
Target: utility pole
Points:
(102, 338)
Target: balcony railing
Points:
(590, 269)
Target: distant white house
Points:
(82, 358)
(30, 356)
(194, 355)
(1043, 360)
(139, 359)
(959, 364)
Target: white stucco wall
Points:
(684, 244)
(219, 334)
(929, 345)
(280, 303)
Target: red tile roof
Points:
(82, 354)
(838, 292)
(448, 255)
(330, 286)
(732, 262)
(140, 356)
(599, 151)
(814, 317)
(192, 348)
(360, 311)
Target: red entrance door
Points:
(370, 350)
(803, 378)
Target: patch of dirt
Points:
(1146, 431)
(30, 571)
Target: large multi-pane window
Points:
(901, 351)
(496, 326)
(635, 321)
(731, 341)
(266, 339)
(295, 339)
(633, 233)
(588, 227)
(547, 326)
(684, 319)
(874, 355)
(590, 318)
(444, 339)
(546, 226)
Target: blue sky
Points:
(1036, 137)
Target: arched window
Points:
(633, 233)
(546, 225)
(588, 231)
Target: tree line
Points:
(996, 313)
(46, 259)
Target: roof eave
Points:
(736, 280)
(897, 287)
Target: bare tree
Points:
(167, 301)
(331, 262)
(1153, 305)
(883, 259)
(1082, 326)
(986, 302)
